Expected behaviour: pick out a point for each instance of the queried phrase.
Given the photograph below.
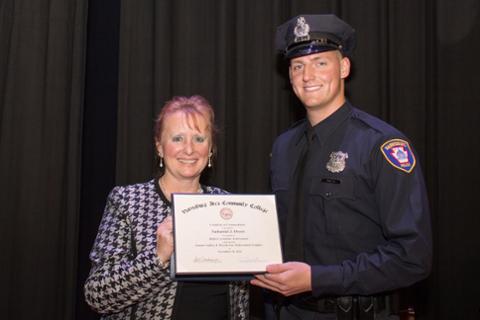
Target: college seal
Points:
(226, 213)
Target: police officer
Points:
(351, 197)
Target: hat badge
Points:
(301, 30)
(337, 161)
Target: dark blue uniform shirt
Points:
(366, 218)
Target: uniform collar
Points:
(324, 128)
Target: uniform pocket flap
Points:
(333, 187)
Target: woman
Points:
(129, 278)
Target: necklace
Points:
(168, 194)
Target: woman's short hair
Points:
(192, 107)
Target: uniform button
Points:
(328, 194)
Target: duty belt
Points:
(346, 307)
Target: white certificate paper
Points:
(224, 234)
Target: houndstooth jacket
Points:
(126, 280)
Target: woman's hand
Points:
(165, 239)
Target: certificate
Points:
(224, 236)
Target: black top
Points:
(199, 300)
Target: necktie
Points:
(294, 231)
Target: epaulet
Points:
(375, 123)
(394, 146)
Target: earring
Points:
(161, 163)
(210, 160)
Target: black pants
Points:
(291, 312)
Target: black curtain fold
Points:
(458, 117)
(41, 108)
(98, 131)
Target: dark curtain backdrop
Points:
(415, 66)
(42, 46)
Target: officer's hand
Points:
(287, 278)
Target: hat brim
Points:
(307, 49)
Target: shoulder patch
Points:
(399, 154)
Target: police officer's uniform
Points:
(365, 225)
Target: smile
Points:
(187, 161)
(312, 88)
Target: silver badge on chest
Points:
(337, 161)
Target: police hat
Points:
(307, 34)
